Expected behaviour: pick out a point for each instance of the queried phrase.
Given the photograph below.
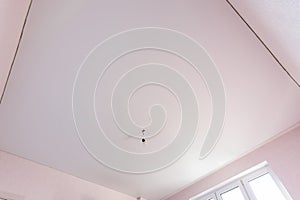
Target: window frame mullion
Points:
(242, 181)
(229, 187)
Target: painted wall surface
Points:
(282, 154)
(12, 16)
(31, 181)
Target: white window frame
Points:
(229, 187)
(207, 197)
(242, 181)
(261, 172)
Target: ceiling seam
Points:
(16, 51)
(263, 43)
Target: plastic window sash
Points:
(242, 180)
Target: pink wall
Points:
(283, 157)
(12, 16)
(31, 181)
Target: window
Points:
(209, 197)
(234, 193)
(259, 183)
(231, 193)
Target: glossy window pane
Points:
(233, 194)
(264, 188)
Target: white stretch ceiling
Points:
(37, 114)
(278, 25)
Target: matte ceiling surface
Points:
(277, 23)
(182, 63)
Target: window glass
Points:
(264, 188)
(258, 184)
(233, 194)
